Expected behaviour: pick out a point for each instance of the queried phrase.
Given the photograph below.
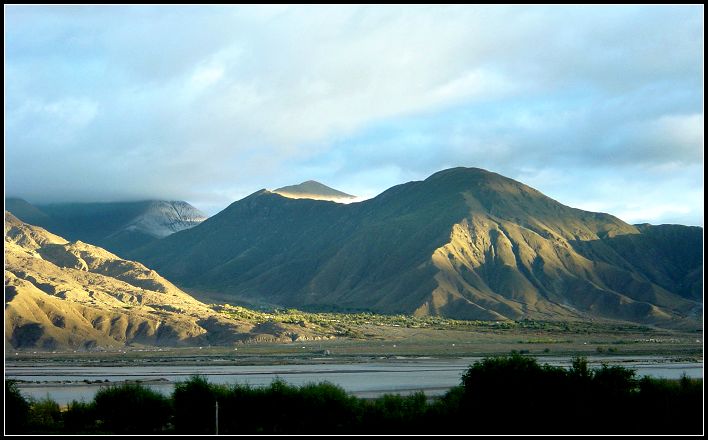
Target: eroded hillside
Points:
(62, 294)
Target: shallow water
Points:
(365, 379)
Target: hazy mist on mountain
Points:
(116, 226)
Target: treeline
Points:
(499, 395)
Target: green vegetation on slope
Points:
(349, 323)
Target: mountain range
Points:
(115, 226)
(464, 243)
(61, 294)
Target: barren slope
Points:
(62, 294)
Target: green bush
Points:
(280, 408)
(676, 406)
(131, 409)
(45, 416)
(498, 395)
(395, 414)
(80, 418)
(338, 412)
(614, 381)
(195, 405)
(17, 409)
(512, 394)
(276, 409)
(447, 411)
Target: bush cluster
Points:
(498, 395)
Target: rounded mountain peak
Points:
(480, 182)
(312, 189)
(468, 174)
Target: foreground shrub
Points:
(131, 409)
(45, 416)
(675, 406)
(80, 418)
(446, 411)
(16, 409)
(337, 412)
(195, 405)
(513, 394)
(280, 408)
(499, 395)
(395, 414)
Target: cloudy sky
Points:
(600, 108)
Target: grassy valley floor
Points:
(347, 338)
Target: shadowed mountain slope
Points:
(464, 243)
(116, 226)
(27, 212)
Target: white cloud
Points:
(653, 213)
(171, 100)
(683, 130)
(206, 76)
(57, 123)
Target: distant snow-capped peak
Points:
(164, 218)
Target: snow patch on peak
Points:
(163, 218)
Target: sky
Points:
(598, 107)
